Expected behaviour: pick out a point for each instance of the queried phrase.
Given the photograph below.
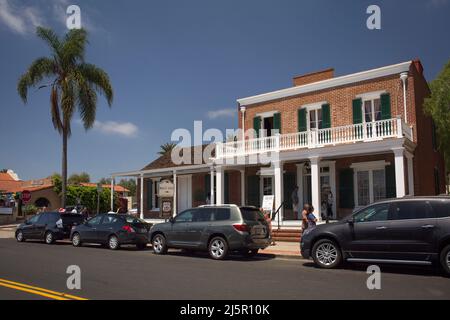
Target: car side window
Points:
(202, 215)
(441, 208)
(377, 212)
(43, 218)
(95, 220)
(33, 219)
(221, 214)
(109, 219)
(406, 210)
(185, 216)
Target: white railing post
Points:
(277, 142)
(399, 128)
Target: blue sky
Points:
(173, 62)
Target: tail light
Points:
(128, 229)
(241, 227)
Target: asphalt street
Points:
(132, 274)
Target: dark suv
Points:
(48, 226)
(217, 229)
(412, 230)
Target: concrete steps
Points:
(286, 235)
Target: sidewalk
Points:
(283, 249)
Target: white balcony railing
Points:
(364, 132)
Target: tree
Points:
(129, 184)
(78, 178)
(105, 181)
(438, 107)
(167, 147)
(73, 85)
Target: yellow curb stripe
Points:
(37, 290)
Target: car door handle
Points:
(428, 226)
(381, 228)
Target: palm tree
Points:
(167, 147)
(73, 85)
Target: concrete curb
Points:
(284, 256)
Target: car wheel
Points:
(76, 240)
(445, 260)
(49, 239)
(159, 244)
(20, 237)
(218, 248)
(113, 242)
(326, 254)
(141, 246)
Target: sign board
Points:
(166, 189)
(5, 210)
(267, 204)
(26, 196)
(166, 208)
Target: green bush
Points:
(29, 209)
(88, 198)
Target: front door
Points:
(179, 234)
(184, 193)
(369, 233)
(90, 228)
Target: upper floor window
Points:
(372, 110)
(315, 119)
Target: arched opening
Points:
(42, 202)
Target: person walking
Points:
(329, 206)
(304, 215)
(295, 204)
(311, 218)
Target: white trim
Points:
(313, 106)
(370, 95)
(369, 165)
(329, 83)
(267, 114)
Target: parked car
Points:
(217, 229)
(48, 226)
(410, 230)
(112, 230)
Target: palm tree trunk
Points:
(64, 168)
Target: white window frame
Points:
(369, 166)
(263, 115)
(312, 107)
(370, 96)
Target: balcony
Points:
(364, 132)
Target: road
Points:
(132, 274)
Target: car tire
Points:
(49, 238)
(159, 244)
(113, 242)
(76, 240)
(326, 254)
(19, 236)
(218, 248)
(445, 260)
(141, 246)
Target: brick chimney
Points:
(418, 66)
(313, 77)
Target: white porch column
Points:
(409, 162)
(278, 176)
(399, 172)
(315, 186)
(220, 181)
(112, 193)
(175, 193)
(141, 209)
(212, 199)
(242, 187)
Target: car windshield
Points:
(252, 214)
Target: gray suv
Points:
(217, 229)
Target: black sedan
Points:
(112, 230)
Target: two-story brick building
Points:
(349, 140)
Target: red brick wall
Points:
(313, 77)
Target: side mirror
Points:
(171, 220)
(350, 222)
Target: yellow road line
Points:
(37, 290)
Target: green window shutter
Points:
(257, 125)
(149, 194)
(227, 187)
(385, 100)
(207, 186)
(391, 191)
(326, 116)
(253, 191)
(289, 182)
(277, 122)
(346, 195)
(357, 111)
(301, 121)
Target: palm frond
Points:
(39, 69)
(73, 47)
(99, 79)
(50, 38)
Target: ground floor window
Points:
(370, 186)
